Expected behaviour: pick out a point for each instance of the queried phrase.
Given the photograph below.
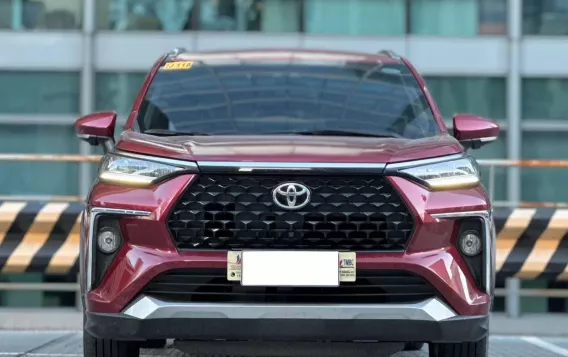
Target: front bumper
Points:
(149, 318)
(149, 251)
(115, 309)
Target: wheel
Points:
(413, 346)
(153, 344)
(464, 349)
(97, 347)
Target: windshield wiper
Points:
(166, 132)
(339, 133)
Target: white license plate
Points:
(291, 268)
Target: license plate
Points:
(291, 268)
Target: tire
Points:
(97, 347)
(413, 346)
(464, 349)
(153, 344)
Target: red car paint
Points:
(288, 148)
(467, 126)
(99, 124)
(148, 248)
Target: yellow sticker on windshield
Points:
(178, 66)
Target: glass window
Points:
(544, 184)
(210, 15)
(545, 98)
(38, 178)
(151, 15)
(458, 17)
(492, 17)
(39, 92)
(250, 15)
(257, 97)
(355, 17)
(41, 14)
(117, 91)
(545, 17)
(494, 150)
(481, 96)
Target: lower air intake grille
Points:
(211, 285)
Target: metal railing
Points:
(512, 291)
(492, 164)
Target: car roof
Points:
(384, 56)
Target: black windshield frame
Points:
(252, 98)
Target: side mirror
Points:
(97, 128)
(473, 131)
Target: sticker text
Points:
(177, 66)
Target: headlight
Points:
(461, 173)
(130, 171)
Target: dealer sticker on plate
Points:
(347, 266)
(234, 263)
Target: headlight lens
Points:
(129, 171)
(461, 173)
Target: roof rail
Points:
(389, 53)
(176, 51)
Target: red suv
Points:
(264, 200)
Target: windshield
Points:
(257, 98)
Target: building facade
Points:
(504, 59)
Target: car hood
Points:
(288, 148)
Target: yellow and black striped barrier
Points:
(39, 237)
(532, 243)
(44, 237)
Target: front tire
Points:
(99, 347)
(154, 344)
(464, 349)
(413, 346)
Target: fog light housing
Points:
(470, 243)
(108, 241)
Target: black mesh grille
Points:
(238, 212)
(211, 285)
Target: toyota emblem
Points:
(291, 195)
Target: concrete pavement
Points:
(69, 344)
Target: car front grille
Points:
(354, 213)
(211, 285)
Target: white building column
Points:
(87, 88)
(514, 132)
